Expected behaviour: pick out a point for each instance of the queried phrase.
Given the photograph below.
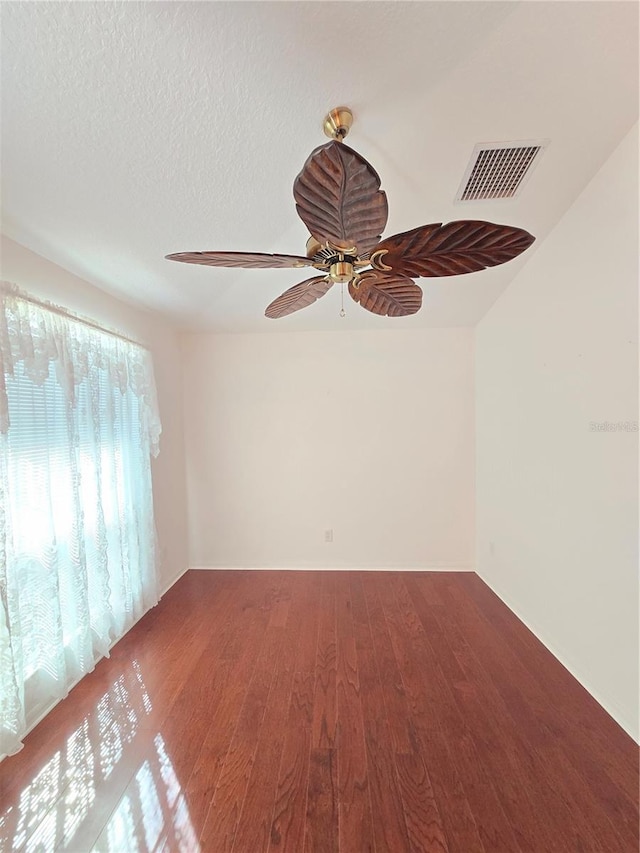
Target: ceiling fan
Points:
(338, 197)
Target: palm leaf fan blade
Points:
(299, 296)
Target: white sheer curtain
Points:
(78, 423)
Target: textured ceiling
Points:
(131, 130)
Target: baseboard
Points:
(50, 707)
(429, 567)
(172, 582)
(614, 712)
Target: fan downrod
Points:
(337, 123)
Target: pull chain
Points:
(342, 311)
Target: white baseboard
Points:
(616, 713)
(172, 582)
(429, 567)
(52, 705)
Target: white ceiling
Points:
(131, 130)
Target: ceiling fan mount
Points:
(338, 197)
(337, 123)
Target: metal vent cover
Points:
(499, 170)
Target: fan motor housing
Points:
(341, 271)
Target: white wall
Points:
(557, 503)
(369, 434)
(49, 281)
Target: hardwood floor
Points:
(322, 711)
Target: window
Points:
(78, 422)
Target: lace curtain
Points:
(78, 424)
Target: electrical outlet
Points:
(328, 536)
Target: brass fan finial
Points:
(337, 123)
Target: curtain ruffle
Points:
(38, 338)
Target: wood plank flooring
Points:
(325, 711)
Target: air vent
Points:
(499, 170)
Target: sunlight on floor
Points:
(153, 813)
(92, 773)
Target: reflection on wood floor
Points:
(94, 764)
(350, 711)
